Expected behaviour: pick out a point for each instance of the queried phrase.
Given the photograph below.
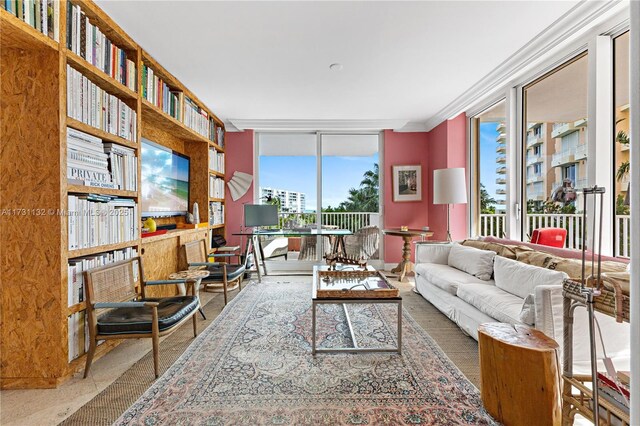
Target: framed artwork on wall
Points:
(407, 183)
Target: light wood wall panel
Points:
(32, 245)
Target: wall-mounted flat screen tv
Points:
(165, 181)
(260, 215)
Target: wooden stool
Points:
(519, 375)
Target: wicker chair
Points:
(220, 274)
(112, 290)
(364, 243)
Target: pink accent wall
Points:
(239, 157)
(443, 147)
(448, 148)
(403, 149)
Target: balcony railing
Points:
(623, 236)
(562, 129)
(501, 160)
(533, 140)
(494, 225)
(343, 220)
(501, 149)
(501, 181)
(501, 170)
(533, 159)
(563, 157)
(581, 152)
(532, 178)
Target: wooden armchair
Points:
(115, 311)
(220, 274)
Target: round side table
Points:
(194, 275)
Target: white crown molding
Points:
(314, 125)
(411, 127)
(230, 127)
(582, 16)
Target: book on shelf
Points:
(216, 160)
(77, 266)
(123, 165)
(216, 213)
(220, 136)
(96, 220)
(156, 91)
(216, 187)
(87, 41)
(43, 15)
(86, 160)
(196, 118)
(89, 104)
(78, 336)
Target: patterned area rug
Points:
(253, 365)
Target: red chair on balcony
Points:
(552, 237)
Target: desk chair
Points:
(222, 274)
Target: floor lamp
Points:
(449, 187)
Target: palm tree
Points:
(365, 197)
(623, 168)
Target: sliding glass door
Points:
(350, 191)
(320, 181)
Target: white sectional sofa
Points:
(472, 286)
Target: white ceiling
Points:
(270, 60)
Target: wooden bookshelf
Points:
(34, 334)
(18, 34)
(100, 78)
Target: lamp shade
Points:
(449, 186)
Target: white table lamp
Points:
(449, 187)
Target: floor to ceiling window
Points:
(555, 149)
(622, 170)
(289, 173)
(489, 199)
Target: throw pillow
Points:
(521, 279)
(473, 261)
(528, 311)
(572, 267)
(499, 249)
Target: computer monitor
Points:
(260, 215)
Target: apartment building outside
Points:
(501, 168)
(290, 201)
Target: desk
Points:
(406, 265)
(255, 246)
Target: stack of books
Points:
(216, 213)
(96, 220)
(86, 161)
(91, 105)
(216, 160)
(43, 15)
(123, 164)
(196, 118)
(216, 187)
(76, 267)
(160, 94)
(87, 41)
(617, 392)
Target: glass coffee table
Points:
(352, 285)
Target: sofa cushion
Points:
(446, 277)
(171, 310)
(521, 279)
(499, 249)
(572, 267)
(495, 302)
(476, 262)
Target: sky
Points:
(299, 174)
(488, 154)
